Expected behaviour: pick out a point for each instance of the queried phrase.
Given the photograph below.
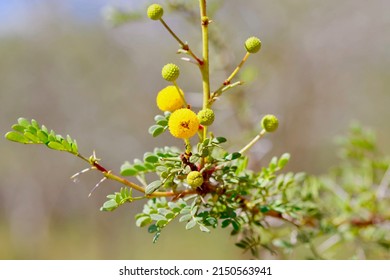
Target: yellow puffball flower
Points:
(169, 99)
(183, 123)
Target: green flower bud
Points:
(170, 72)
(270, 123)
(253, 44)
(206, 117)
(155, 12)
(195, 179)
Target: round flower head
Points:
(195, 179)
(253, 44)
(169, 99)
(170, 72)
(206, 117)
(183, 123)
(155, 12)
(270, 123)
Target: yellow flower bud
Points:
(170, 72)
(206, 117)
(253, 44)
(270, 123)
(195, 179)
(155, 12)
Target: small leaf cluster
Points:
(149, 163)
(161, 124)
(117, 199)
(31, 132)
(158, 212)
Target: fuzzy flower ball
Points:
(183, 123)
(253, 44)
(169, 99)
(195, 179)
(170, 72)
(155, 12)
(270, 123)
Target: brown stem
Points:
(112, 176)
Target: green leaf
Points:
(170, 215)
(219, 140)
(32, 137)
(153, 128)
(42, 136)
(139, 165)
(186, 210)
(236, 225)
(17, 137)
(109, 205)
(143, 221)
(194, 158)
(52, 136)
(225, 223)
(174, 207)
(206, 142)
(203, 228)
(205, 152)
(156, 236)
(35, 124)
(152, 228)
(18, 127)
(128, 170)
(273, 163)
(233, 156)
(194, 210)
(284, 159)
(185, 218)
(157, 217)
(66, 145)
(23, 122)
(44, 129)
(153, 186)
(158, 131)
(74, 147)
(159, 118)
(56, 146)
(161, 223)
(264, 208)
(151, 158)
(31, 129)
(190, 224)
(163, 122)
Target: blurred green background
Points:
(323, 64)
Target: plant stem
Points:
(188, 146)
(232, 75)
(109, 175)
(183, 45)
(205, 67)
(180, 93)
(254, 140)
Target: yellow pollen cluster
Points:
(169, 99)
(183, 123)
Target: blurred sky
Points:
(16, 14)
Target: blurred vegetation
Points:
(323, 64)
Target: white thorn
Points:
(97, 185)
